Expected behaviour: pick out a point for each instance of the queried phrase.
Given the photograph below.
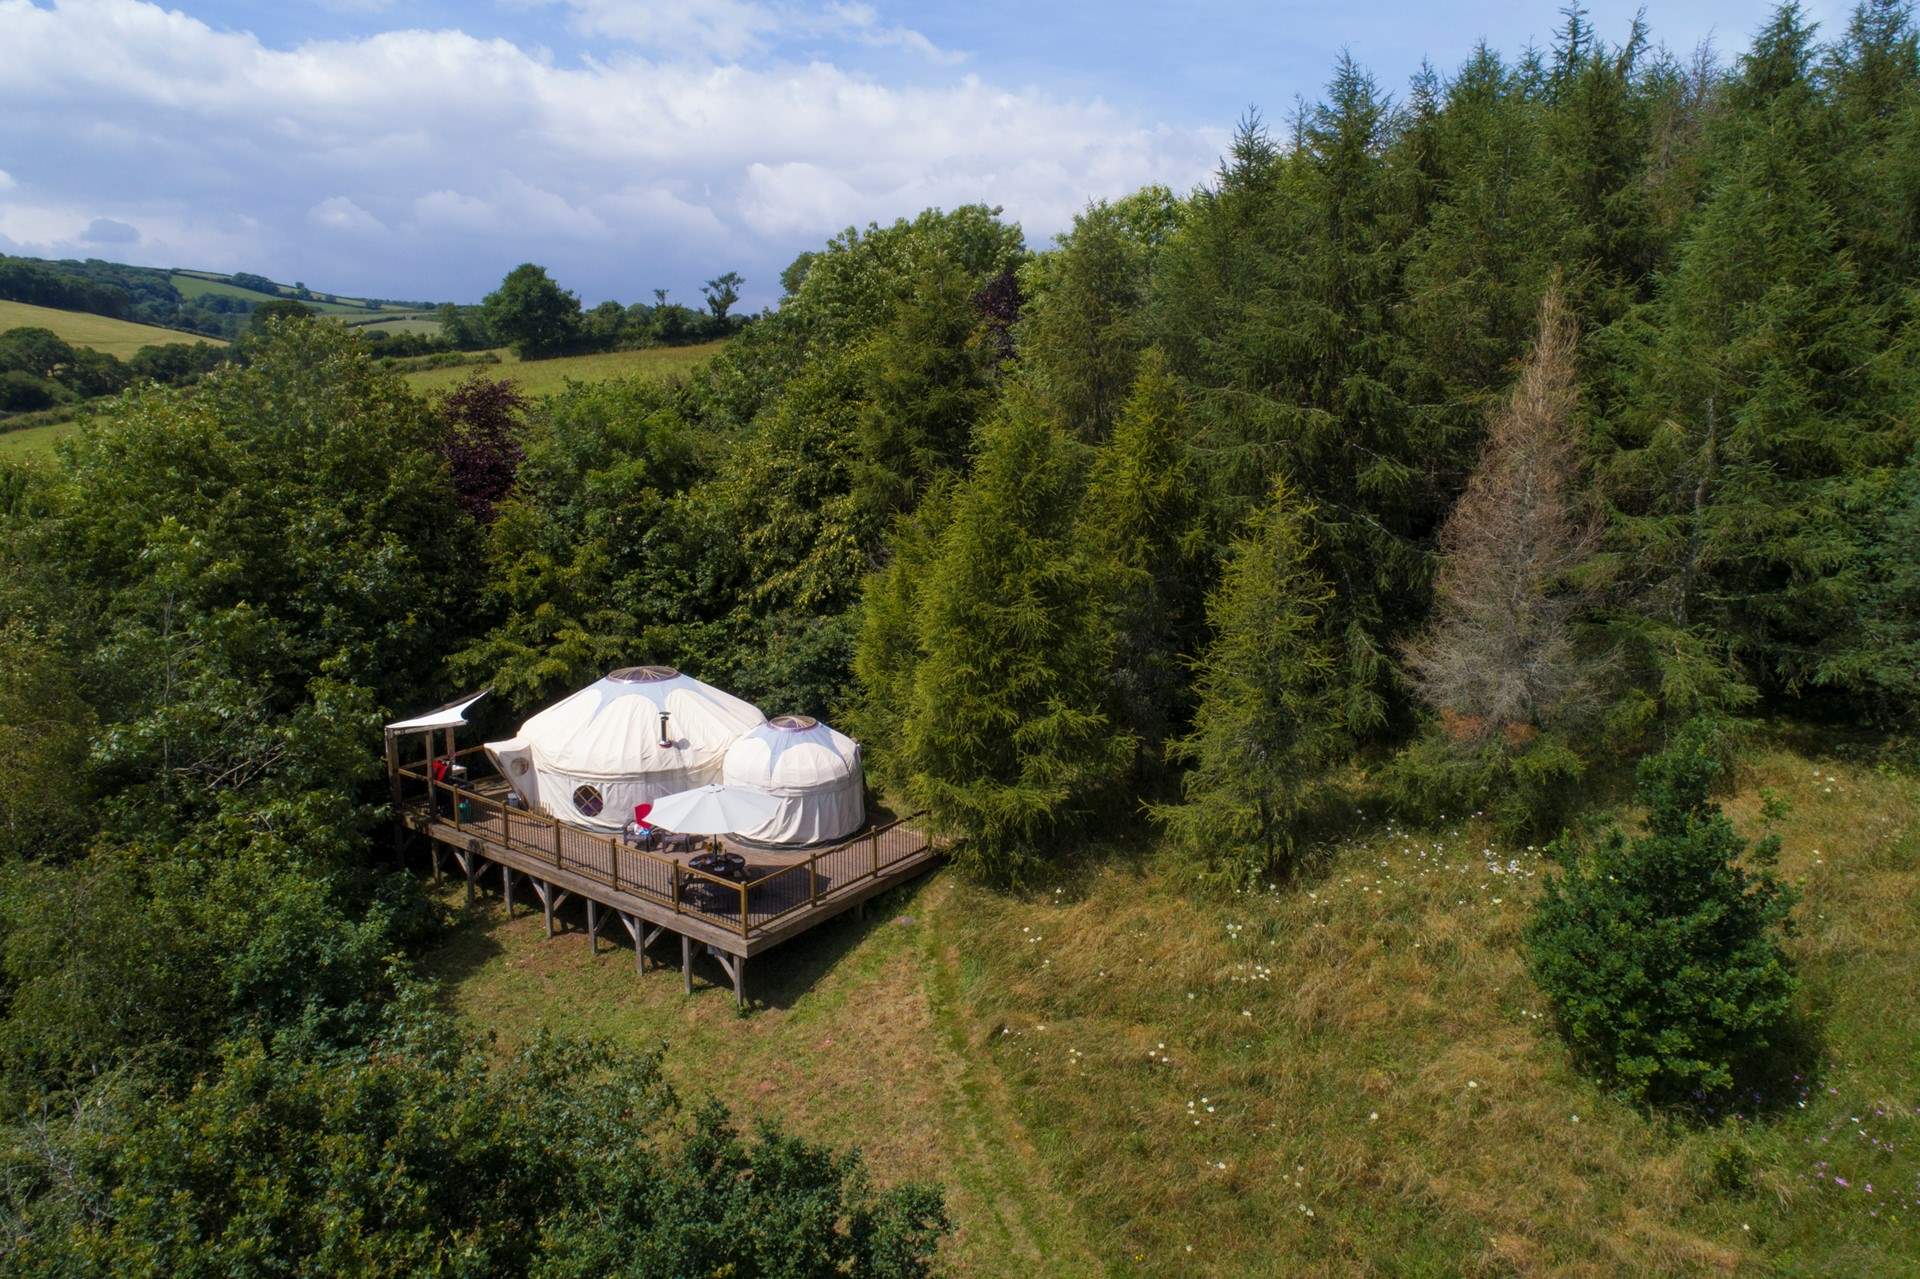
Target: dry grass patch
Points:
(1356, 1076)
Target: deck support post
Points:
(593, 926)
(686, 961)
(471, 865)
(546, 894)
(506, 886)
(739, 981)
(434, 844)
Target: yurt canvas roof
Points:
(812, 770)
(792, 754)
(611, 729)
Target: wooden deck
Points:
(652, 893)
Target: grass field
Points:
(399, 322)
(102, 333)
(35, 441)
(1352, 1075)
(194, 284)
(542, 377)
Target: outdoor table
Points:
(723, 865)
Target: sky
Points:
(419, 149)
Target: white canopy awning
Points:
(452, 715)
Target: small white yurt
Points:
(640, 733)
(812, 770)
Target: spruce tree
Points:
(1140, 528)
(1661, 953)
(1762, 416)
(1006, 742)
(1269, 718)
(1082, 332)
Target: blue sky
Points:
(419, 148)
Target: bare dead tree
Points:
(1499, 654)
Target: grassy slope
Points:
(81, 328)
(193, 285)
(540, 377)
(1386, 1096)
(34, 441)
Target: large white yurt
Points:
(812, 770)
(640, 733)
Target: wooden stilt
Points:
(506, 886)
(434, 844)
(593, 926)
(545, 891)
(635, 930)
(740, 981)
(686, 960)
(471, 865)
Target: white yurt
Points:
(640, 733)
(812, 770)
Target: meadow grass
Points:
(543, 377)
(34, 441)
(193, 284)
(1351, 1074)
(81, 328)
(397, 322)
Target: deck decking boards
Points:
(795, 890)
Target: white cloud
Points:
(6, 180)
(473, 154)
(338, 213)
(733, 28)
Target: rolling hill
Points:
(116, 337)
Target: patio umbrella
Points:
(713, 810)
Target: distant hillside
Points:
(98, 332)
(207, 302)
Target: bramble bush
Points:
(1661, 953)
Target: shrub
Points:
(1526, 788)
(1661, 954)
(21, 392)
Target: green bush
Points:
(22, 392)
(1660, 953)
(1525, 790)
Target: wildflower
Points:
(1473, 1083)
(1375, 1115)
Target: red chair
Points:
(641, 832)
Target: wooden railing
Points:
(639, 871)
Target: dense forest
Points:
(1452, 449)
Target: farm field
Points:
(34, 440)
(400, 322)
(542, 377)
(81, 328)
(1348, 1075)
(194, 284)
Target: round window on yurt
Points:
(519, 766)
(794, 723)
(588, 801)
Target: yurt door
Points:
(514, 759)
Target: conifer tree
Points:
(928, 379)
(1661, 953)
(1499, 656)
(1762, 418)
(1269, 718)
(1139, 526)
(1081, 334)
(1006, 741)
